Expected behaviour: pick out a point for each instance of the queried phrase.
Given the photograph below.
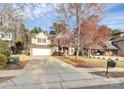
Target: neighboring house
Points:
(108, 49)
(6, 36)
(118, 41)
(41, 44)
(66, 48)
(111, 49)
(97, 49)
(115, 47)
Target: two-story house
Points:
(41, 44)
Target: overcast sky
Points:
(42, 15)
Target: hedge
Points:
(4, 48)
(3, 60)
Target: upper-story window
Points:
(41, 40)
(6, 35)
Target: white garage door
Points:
(40, 52)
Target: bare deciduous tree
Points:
(11, 18)
(76, 13)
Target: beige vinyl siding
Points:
(41, 36)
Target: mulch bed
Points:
(15, 66)
(2, 79)
(80, 63)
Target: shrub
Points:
(79, 52)
(117, 59)
(4, 48)
(57, 54)
(27, 53)
(3, 60)
(103, 58)
(13, 60)
(98, 57)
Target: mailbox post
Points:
(107, 70)
(110, 64)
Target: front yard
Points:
(87, 62)
(23, 59)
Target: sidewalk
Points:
(6, 73)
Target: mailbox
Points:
(111, 63)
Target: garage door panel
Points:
(38, 51)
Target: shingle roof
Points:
(97, 46)
(118, 39)
(109, 45)
(118, 33)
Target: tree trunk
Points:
(78, 33)
(77, 52)
(89, 52)
(78, 30)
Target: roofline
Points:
(43, 32)
(118, 33)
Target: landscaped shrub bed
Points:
(4, 49)
(86, 62)
(16, 64)
(82, 62)
(77, 62)
(74, 62)
(13, 60)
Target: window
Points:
(6, 35)
(41, 40)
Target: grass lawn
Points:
(88, 62)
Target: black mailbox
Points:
(111, 63)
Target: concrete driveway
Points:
(51, 73)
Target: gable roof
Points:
(96, 46)
(118, 33)
(109, 45)
(118, 39)
(42, 32)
